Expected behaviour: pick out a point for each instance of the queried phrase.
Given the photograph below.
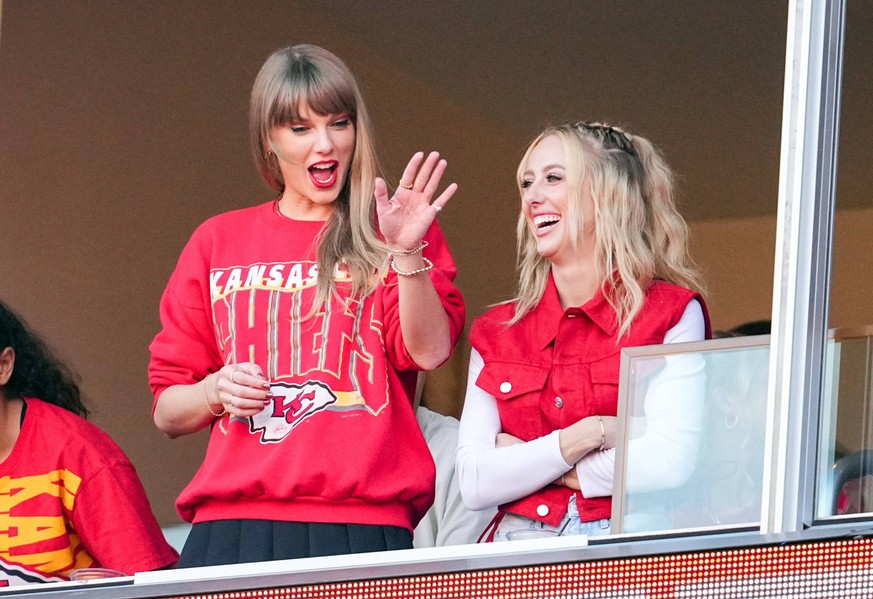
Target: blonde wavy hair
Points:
(309, 76)
(640, 236)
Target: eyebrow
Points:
(308, 118)
(547, 167)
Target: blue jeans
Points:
(569, 525)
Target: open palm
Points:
(406, 216)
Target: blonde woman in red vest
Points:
(603, 264)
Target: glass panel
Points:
(845, 485)
(846, 438)
(693, 444)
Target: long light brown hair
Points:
(640, 235)
(303, 76)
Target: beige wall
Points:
(851, 299)
(737, 259)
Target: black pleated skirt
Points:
(240, 541)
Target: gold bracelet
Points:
(602, 433)
(563, 482)
(403, 273)
(421, 246)
(206, 399)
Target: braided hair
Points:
(37, 372)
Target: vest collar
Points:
(546, 317)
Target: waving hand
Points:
(406, 216)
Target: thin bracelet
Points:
(563, 482)
(602, 433)
(415, 250)
(403, 273)
(206, 399)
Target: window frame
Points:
(803, 258)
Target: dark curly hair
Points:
(37, 372)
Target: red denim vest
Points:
(555, 367)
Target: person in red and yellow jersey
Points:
(69, 497)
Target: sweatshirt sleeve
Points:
(185, 350)
(442, 275)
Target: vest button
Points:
(559, 403)
(542, 510)
(505, 387)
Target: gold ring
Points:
(405, 186)
(437, 208)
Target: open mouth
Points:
(545, 223)
(324, 174)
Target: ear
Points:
(7, 365)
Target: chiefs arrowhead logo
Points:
(292, 404)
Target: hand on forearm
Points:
(587, 435)
(569, 479)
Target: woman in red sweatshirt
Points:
(294, 330)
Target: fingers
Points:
(406, 216)
(242, 389)
(246, 374)
(571, 480)
(424, 175)
(411, 169)
(429, 175)
(252, 370)
(380, 192)
(445, 196)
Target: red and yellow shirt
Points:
(70, 498)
